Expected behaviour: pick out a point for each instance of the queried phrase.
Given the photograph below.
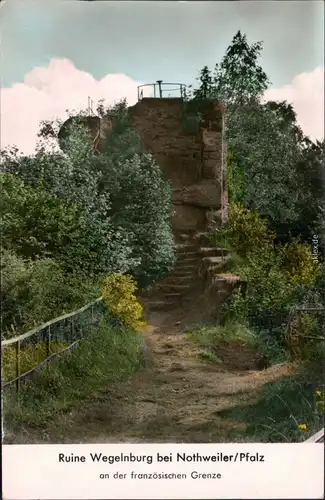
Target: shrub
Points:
(305, 337)
(299, 265)
(118, 293)
(227, 334)
(236, 178)
(290, 410)
(103, 214)
(245, 231)
(34, 292)
(30, 356)
(278, 277)
(107, 356)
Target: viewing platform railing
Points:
(161, 89)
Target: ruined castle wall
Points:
(191, 160)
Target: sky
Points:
(56, 53)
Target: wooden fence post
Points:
(72, 328)
(17, 365)
(48, 343)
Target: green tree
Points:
(109, 194)
(35, 222)
(239, 78)
(272, 168)
(207, 84)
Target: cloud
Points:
(306, 94)
(47, 92)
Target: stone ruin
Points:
(192, 160)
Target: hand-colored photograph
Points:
(162, 222)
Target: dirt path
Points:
(177, 399)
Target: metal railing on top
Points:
(160, 90)
(63, 332)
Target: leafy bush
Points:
(107, 356)
(118, 293)
(35, 222)
(236, 178)
(30, 356)
(141, 207)
(245, 231)
(227, 334)
(299, 264)
(278, 277)
(306, 336)
(106, 213)
(35, 291)
(289, 411)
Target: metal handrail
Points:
(49, 356)
(158, 89)
(24, 336)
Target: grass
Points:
(107, 356)
(285, 405)
(290, 409)
(215, 335)
(29, 357)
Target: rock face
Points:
(194, 161)
(98, 129)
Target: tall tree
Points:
(273, 167)
(239, 78)
(106, 195)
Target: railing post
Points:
(72, 327)
(159, 88)
(48, 343)
(17, 365)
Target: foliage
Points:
(267, 166)
(108, 356)
(118, 293)
(299, 264)
(289, 410)
(206, 88)
(116, 207)
(273, 168)
(34, 222)
(306, 335)
(238, 78)
(245, 231)
(145, 214)
(236, 178)
(29, 357)
(35, 291)
(277, 277)
(225, 335)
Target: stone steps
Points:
(186, 247)
(213, 252)
(187, 261)
(193, 255)
(182, 269)
(173, 287)
(182, 279)
(189, 271)
(187, 254)
(160, 305)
